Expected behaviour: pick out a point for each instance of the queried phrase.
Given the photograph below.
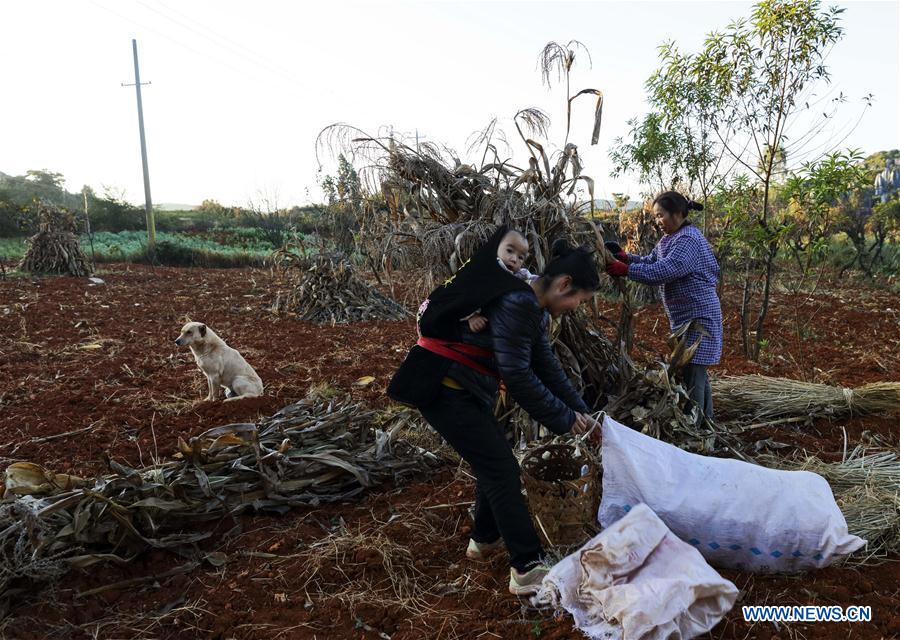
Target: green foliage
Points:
(737, 98)
(875, 162)
(887, 216)
(738, 203)
(653, 150)
(44, 178)
(213, 209)
(228, 247)
(818, 196)
(621, 201)
(111, 213)
(343, 194)
(19, 211)
(12, 248)
(181, 253)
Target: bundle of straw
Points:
(761, 397)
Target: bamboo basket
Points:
(562, 497)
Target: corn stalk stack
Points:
(638, 229)
(656, 402)
(54, 249)
(324, 288)
(312, 452)
(434, 210)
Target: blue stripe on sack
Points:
(715, 546)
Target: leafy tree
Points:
(750, 83)
(868, 229)
(621, 200)
(651, 151)
(264, 213)
(45, 178)
(213, 208)
(875, 162)
(343, 194)
(818, 195)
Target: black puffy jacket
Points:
(517, 334)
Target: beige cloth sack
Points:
(637, 581)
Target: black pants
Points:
(696, 381)
(500, 508)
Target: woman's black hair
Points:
(576, 262)
(674, 202)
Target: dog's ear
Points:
(203, 330)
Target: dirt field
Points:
(75, 355)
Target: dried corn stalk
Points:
(657, 402)
(54, 249)
(422, 194)
(309, 453)
(325, 289)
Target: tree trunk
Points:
(745, 312)
(764, 303)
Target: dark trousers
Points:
(500, 508)
(696, 381)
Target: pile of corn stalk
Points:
(54, 249)
(656, 402)
(313, 452)
(428, 211)
(325, 289)
(591, 361)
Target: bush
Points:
(177, 254)
(110, 214)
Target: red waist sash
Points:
(459, 352)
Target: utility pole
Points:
(148, 202)
(87, 226)
(417, 140)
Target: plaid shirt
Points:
(682, 263)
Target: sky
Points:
(239, 90)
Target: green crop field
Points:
(226, 247)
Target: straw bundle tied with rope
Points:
(761, 397)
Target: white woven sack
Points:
(738, 515)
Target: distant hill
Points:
(609, 205)
(173, 206)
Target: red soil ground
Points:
(74, 355)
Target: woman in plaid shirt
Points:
(684, 267)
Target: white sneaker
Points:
(528, 583)
(481, 550)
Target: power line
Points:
(225, 43)
(233, 44)
(173, 40)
